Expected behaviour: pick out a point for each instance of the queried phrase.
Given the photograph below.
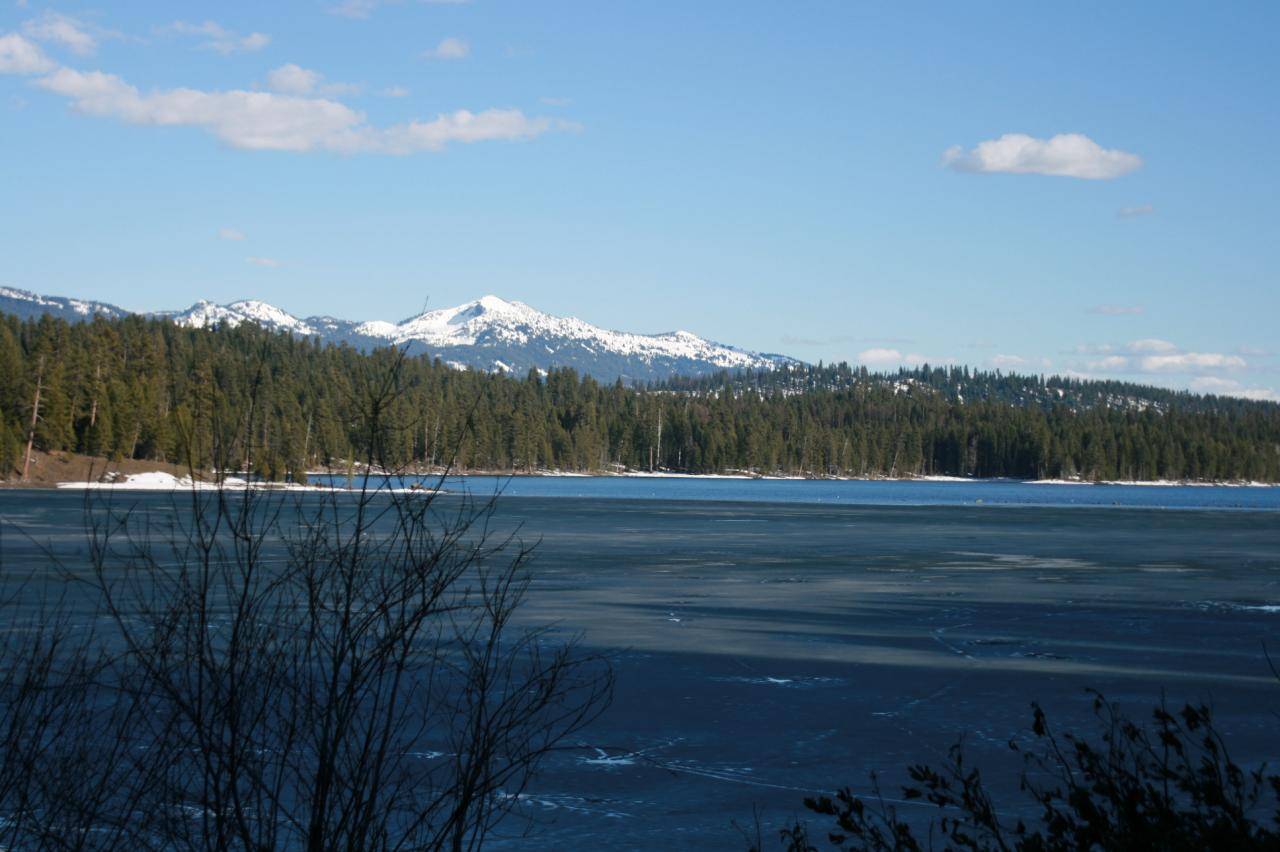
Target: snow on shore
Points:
(156, 480)
(162, 481)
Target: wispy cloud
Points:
(354, 8)
(1065, 155)
(448, 48)
(1117, 310)
(365, 8)
(802, 340)
(218, 38)
(889, 357)
(1182, 362)
(879, 355)
(269, 262)
(394, 92)
(1111, 363)
(255, 120)
(555, 102)
(1153, 355)
(230, 234)
(1135, 212)
(75, 35)
(1149, 345)
(293, 79)
(793, 340)
(1018, 362)
(20, 56)
(1231, 387)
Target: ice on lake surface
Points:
(771, 648)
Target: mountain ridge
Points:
(490, 333)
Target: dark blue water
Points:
(864, 492)
(774, 639)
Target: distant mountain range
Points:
(488, 334)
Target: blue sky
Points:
(1089, 189)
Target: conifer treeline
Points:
(147, 389)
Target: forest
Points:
(146, 389)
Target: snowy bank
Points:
(161, 481)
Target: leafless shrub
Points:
(262, 669)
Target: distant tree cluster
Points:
(146, 389)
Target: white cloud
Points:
(1065, 155)
(449, 48)
(1166, 362)
(1135, 212)
(230, 234)
(220, 39)
(293, 79)
(65, 30)
(1151, 344)
(556, 102)
(271, 121)
(365, 8)
(1111, 363)
(1189, 361)
(884, 357)
(20, 56)
(1117, 310)
(269, 262)
(394, 92)
(1231, 387)
(1014, 362)
(1154, 355)
(354, 8)
(880, 356)
(253, 41)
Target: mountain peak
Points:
(488, 333)
(494, 303)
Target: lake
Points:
(1004, 492)
(775, 639)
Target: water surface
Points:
(778, 638)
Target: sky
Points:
(1087, 189)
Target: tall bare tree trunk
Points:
(659, 453)
(306, 442)
(93, 408)
(35, 416)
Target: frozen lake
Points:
(862, 492)
(777, 638)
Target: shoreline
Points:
(69, 471)
(165, 481)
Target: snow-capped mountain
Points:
(489, 333)
(206, 314)
(26, 304)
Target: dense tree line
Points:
(963, 384)
(146, 389)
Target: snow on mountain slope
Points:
(25, 304)
(489, 333)
(203, 314)
(496, 323)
